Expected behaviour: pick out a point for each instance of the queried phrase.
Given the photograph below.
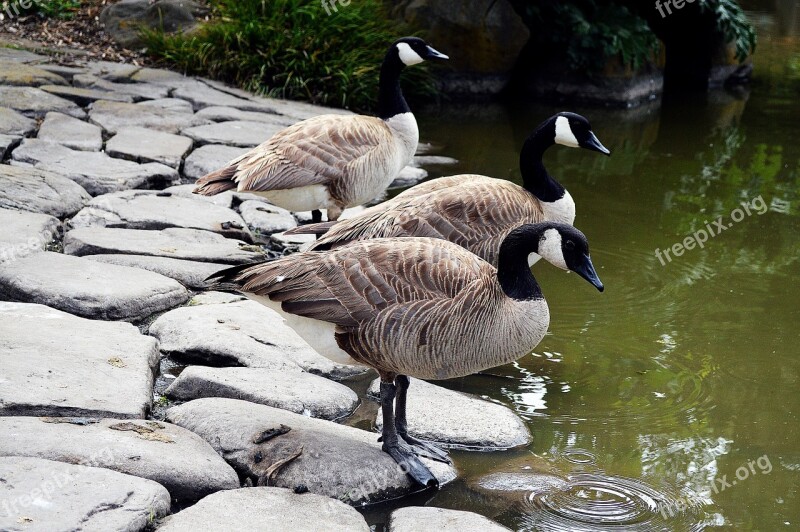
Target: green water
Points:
(679, 373)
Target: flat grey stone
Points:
(177, 459)
(137, 91)
(208, 158)
(432, 160)
(113, 71)
(31, 189)
(267, 509)
(226, 114)
(14, 123)
(237, 133)
(351, 212)
(177, 243)
(42, 495)
(292, 243)
(408, 176)
(226, 199)
(72, 366)
(416, 518)
(190, 274)
(25, 233)
(21, 56)
(243, 333)
(35, 103)
(214, 298)
(149, 146)
(94, 171)
(158, 76)
(7, 143)
(66, 72)
(265, 219)
(342, 462)
(294, 109)
(295, 391)
(113, 116)
(459, 420)
(170, 104)
(71, 132)
(89, 288)
(84, 97)
(202, 95)
(22, 75)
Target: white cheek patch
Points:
(407, 54)
(564, 134)
(550, 249)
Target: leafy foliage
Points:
(733, 24)
(292, 49)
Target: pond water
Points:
(669, 402)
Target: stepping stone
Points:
(226, 199)
(179, 460)
(295, 391)
(137, 91)
(84, 97)
(72, 366)
(226, 114)
(89, 288)
(237, 133)
(158, 76)
(71, 132)
(244, 333)
(21, 56)
(25, 233)
(113, 116)
(296, 110)
(329, 459)
(432, 160)
(13, 123)
(35, 103)
(149, 146)
(170, 104)
(176, 243)
(459, 420)
(43, 495)
(214, 298)
(208, 158)
(266, 219)
(201, 95)
(31, 189)
(273, 509)
(408, 176)
(292, 243)
(94, 171)
(8, 143)
(415, 518)
(20, 74)
(66, 72)
(189, 273)
(113, 71)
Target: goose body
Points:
(333, 161)
(474, 211)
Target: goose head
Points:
(413, 50)
(573, 130)
(565, 247)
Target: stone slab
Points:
(25, 233)
(23, 75)
(84, 97)
(208, 158)
(265, 219)
(31, 189)
(14, 123)
(137, 91)
(35, 103)
(149, 146)
(71, 132)
(190, 274)
(416, 518)
(237, 133)
(226, 114)
(113, 116)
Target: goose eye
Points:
(570, 245)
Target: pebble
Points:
(71, 132)
(31, 189)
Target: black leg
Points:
(398, 450)
(316, 216)
(420, 447)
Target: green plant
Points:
(63, 9)
(291, 49)
(733, 24)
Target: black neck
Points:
(513, 272)
(390, 97)
(535, 178)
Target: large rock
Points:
(35, 103)
(415, 518)
(226, 114)
(42, 495)
(458, 419)
(15, 124)
(191, 274)
(177, 459)
(113, 116)
(89, 288)
(56, 364)
(296, 391)
(31, 189)
(71, 132)
(208, 158)
(267, 509)
(25, 233)
(176, 243)
(125, 20)
(149, 146)
(84, 97)
(243, 333)
(237, 133)
(20, 74)
(265, 219)
(144, 209)
(289, 450)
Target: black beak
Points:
(594, 144)
(586, 270)
(434, 54)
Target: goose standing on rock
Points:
(416, 307)
(473, 211)
(333, 161)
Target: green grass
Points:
(63, 9)
(292, 49)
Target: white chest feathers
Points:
(562, 210)
(406, 134)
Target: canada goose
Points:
(333, 161)
(473, 211)
(418, 307)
